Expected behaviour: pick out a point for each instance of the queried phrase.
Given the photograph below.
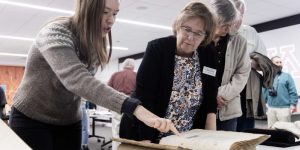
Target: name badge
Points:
(209, 71)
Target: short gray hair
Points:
(225, 10)
(239, 4)
(128, 63)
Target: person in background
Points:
(251, 94)
(60, 69)
(282, 98)
(233, 65)
(176, 80)
(2, 103)
(85, 126)
(122, 81)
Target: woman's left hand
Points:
(151, 120)
(221, 102)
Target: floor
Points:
(101, 130)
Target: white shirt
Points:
(254, 42)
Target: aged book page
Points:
(133, 147)
(137, 145)
(198, 139)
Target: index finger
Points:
(174, 130)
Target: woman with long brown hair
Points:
(61, 63)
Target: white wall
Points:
(285, 42)
(109, 69)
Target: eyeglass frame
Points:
(197, 35)
(226, 25)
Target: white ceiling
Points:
(26, 22)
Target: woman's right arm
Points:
(147, 83)
(151, 120)
(55, 43)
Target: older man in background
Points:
(282, 98)
(123, 81)
(250, 96)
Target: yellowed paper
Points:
(198, 139)
(136, 145)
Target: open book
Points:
(138, 145)
(198, 139)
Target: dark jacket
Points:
(2, 101)
(154, 86)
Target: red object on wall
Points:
(11, 76)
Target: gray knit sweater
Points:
(55, 79)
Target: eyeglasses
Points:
(226, 25)
(189, 32)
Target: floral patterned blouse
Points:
(186, 96)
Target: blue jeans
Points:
(227, 125)
(85, 125)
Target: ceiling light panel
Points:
(32, 6)
(16, 38)
(13, 55)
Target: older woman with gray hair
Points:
(233, 65)
(176, 78)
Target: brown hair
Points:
(197, 9)
(86, 26)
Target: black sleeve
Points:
(210, 88)
(2, 98)
(130, 105)
(211, 82)
(146, 89)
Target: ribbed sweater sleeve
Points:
(58, 51)
(55, 79)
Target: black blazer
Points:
(2, 98)
(154, 86)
